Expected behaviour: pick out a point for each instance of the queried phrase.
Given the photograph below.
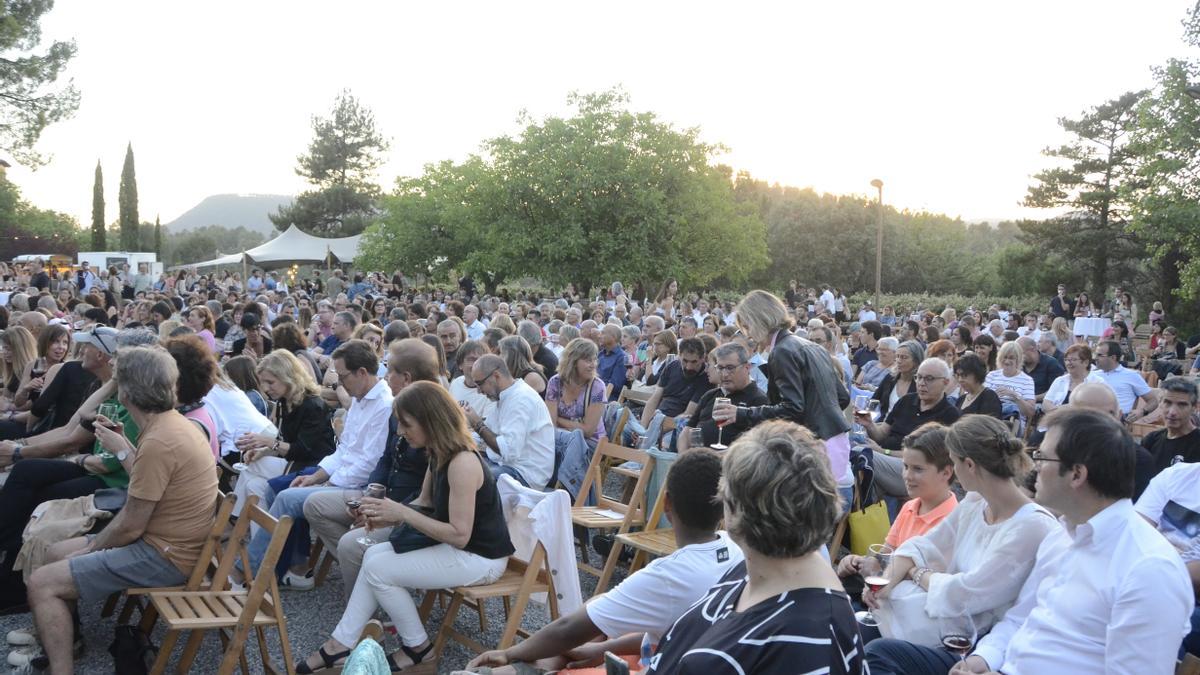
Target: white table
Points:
(1091, 327)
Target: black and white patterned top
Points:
(807, 630)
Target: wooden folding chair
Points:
(652, 540)
(614, 434)
(229, 610)
(522, 579)
(1190, 665)
(610, 514)
(205, 564)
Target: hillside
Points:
(231, 210)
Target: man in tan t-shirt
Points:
(156, 538)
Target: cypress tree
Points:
(98, 232)
(157, 238)
(127, 200)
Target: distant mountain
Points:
(249, 211)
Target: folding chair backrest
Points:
(607, 450)
(264, 579)
(204, 563)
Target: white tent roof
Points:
(292, 247)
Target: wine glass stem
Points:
(720, 431)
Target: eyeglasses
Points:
(1039, 457)
(928, 379)
(727, 369)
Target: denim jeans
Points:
(288, 502)
(897, 657)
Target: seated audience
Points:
(1133, 394)
(240, 371)
(652, 598)
(541, 354)
(458, 511)
(519, 359)
(976, 559)
(198, 373)
(1049, 346)
(522, 445)
(253, 344)
(462, 388)
(610, 361)
(927, 404)
(1078, 362)
(781, 506)
(1011, 383)
(575, 396)
(155, 539)
(680, 384)
(928, 475)
(451, 334)
(732, 366)
(62, 389)
(401, 469)
(664, 348)
(874, 371)
(973, 397)
(1042, 369)
(1180, 440)
(1106, 594)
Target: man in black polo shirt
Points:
(869, 334)
(732, 364)
(1181, 438)
(1061, 305)
(927, 404)
(1043, 369)
(680, 385)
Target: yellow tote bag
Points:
(868, 526)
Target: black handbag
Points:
(405, 537)
(132, 651)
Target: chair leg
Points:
(427, 604)
(482, 615)
(149, 617)
(447, 623)
(289, 662)
(609, 566)
(262, 648)
(326, 565)
(110, 605)
(190, 650)
(514, 621)
(235, 653)
(127, 610)
(164, 652)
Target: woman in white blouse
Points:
(1078, 361)
(1013, 385)
(976, 560)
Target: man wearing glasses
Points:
(733, 378)
(1128, 384)
(522, 444)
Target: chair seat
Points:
(184, 610)
(632, 473)
(508, 584)
(587, 516)
(654, 542)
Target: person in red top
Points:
(928, 474)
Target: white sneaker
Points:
(23, 637)
(21, 656)
(298, 582)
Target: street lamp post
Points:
(878, 244)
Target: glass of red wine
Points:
(717, 402)
(353, 499)
(958, 635)
(874, 568)
(374, 491)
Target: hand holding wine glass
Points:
(873, 567)
(373, 491)
(958, 635)
(728, 414)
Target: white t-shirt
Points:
(827, 300)
(1172, 501)
(478, 401)
(866, 315)
(234, 414)
(1021, 382)
(658, 594)
(1127, 384)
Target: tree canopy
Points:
(31, 98)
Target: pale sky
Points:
(949, 103)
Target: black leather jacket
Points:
(803, 386)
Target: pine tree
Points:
(98, 231)
(127, 201)
(157, 238)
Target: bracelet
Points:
(275, 448)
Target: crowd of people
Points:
(999, 440)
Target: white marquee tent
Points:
(293, 247)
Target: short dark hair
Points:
(162, 309)
(971, 364)
(1111, 348)
(358, 354)
(693, 346)
(692, 485)
(1181, 385)
(874, 328)
(1098, 442)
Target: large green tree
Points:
(28, 229)
(607, 193)
(1090, 169)
(31, 98)
(127, 201)
(346, 151)
(99, 241)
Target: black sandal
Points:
(416, 656)
(331, 661)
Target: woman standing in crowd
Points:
(458, 511)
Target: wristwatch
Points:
(122, 455)
(16, 453)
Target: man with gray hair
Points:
(522, 444)
(156, 538)
(915, 409)
(541, 355)
(732, 364)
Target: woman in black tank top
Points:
(453, 534)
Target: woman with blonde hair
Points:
(302, 418)
(1063, 338)
(973, 563)
(575, 396)
(466, 540)
(1011, 383)
(803, 385)
(504, 323)
(18, 351)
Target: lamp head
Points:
(877, 184)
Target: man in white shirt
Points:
(827, 300)
(1171, 503)
(522, 445)
(359, 448)
(651, 599)
(1108, 594)
(1128, 384)
(463, 388)
(475, 327)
